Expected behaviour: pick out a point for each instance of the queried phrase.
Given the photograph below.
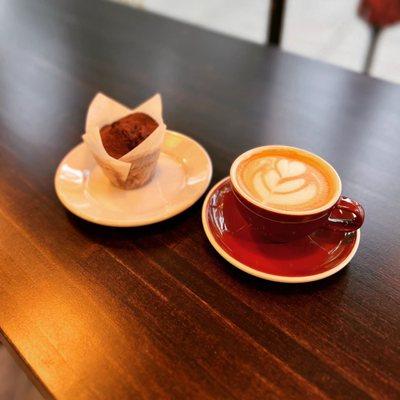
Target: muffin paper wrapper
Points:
(136, 167)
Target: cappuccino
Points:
(287, 179)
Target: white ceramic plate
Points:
(183, 174)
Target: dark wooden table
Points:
(155, 312)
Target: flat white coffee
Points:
(286, 180)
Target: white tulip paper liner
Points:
(135, 168)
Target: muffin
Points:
(122, 136)
(125, 143)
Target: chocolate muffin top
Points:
(123, 135)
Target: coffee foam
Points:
(287, 180)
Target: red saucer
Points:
(311, 258)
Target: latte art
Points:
(285, 182)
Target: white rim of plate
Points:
(264, 275)
(130, 223)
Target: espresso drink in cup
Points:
(287, 193)
(286, 180)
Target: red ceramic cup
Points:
(340, 213)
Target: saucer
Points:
(314, 257)
(182, 175)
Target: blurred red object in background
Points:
(380, 13)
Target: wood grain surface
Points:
(155, 312)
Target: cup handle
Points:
(336, 223)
